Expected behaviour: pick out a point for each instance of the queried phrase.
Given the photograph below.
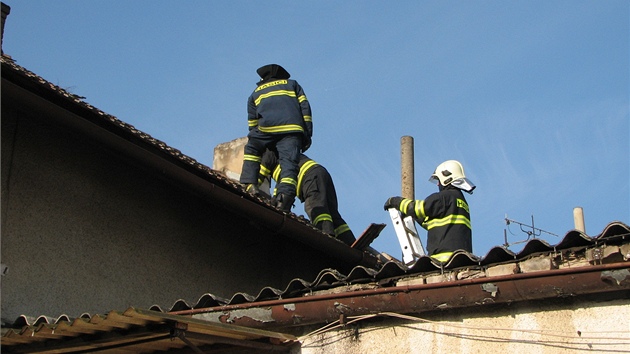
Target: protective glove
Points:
(393, 202)
(306, 143)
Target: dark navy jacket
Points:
(446, 217)
(279, 107)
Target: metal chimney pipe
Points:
(578, 219)
(407, 168)
(6, 9)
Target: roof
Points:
(29, 89)
(616, 235)
(578, 265)
(139, 331)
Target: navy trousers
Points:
(287, 147)
(320, 204)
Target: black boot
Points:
(284, 202)
(347, 238)
(327, 227)
(252, 189)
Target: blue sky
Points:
(531, 96)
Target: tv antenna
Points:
(531, 231)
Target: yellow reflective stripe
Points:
(404, 204)
(288, 180)
(305, 167)
(264, 170)
(275, 93)
(419, 210)
(308, 118)
(302, 98)
(442, 257)
(322, 217)
(449, 220)
(282, 128)
(252, 158)
(252, 122)
(341, 229)
(276, 173)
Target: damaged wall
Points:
(563, 325)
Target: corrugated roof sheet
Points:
(615, 233)
(137, 331)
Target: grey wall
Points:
(85, 229)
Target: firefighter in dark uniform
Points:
(316, 190)
(445, 214)
(279, 118)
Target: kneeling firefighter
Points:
(316, 190)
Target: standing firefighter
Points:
(316, 190)
(445, 214)
(279, 118)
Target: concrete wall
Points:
(85, 229)
(553, 326)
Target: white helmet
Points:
(452, 172)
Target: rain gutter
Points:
(308, 310)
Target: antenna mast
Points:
(533, 233)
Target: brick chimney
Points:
(5, 12)
(228, 159)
